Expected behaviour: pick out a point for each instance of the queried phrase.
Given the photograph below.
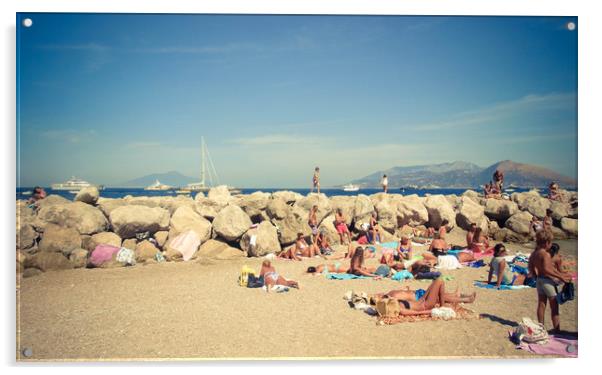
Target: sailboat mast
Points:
(203, 161)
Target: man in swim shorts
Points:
(548, 278)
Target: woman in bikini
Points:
(434, 295)
(337, 267)
(316, 180)
(271, 277)
(374, 229)
(357, 265)
(300, 249)
(408, 294)
(499, 267)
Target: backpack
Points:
(388, 308)
(254, 282)
(243, 279)
(529, 332)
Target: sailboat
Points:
(209, 176)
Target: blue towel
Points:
(483, 285)
(344, 276)
(477, 263)
(519, 269)
(402, 275)
(390, 245)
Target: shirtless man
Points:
(470, 234)
(548, 278)
(498, 178)
(438, 246)
(340, 223)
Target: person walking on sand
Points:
(549, 278)
(316, 180)
(385, 183)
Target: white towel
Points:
(447, 262)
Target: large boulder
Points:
(346, 204)
(145, 250)
(387, 215)
(289, 197)
(560, 210)
(558, 234)
(60, 240)
(81, 216)
(278, 209)
(185, 218)
(46, 261)
(52, 200)
(470, 212)
(266, 240)
(129, 243)
(213, 249)
(362, 208)
(26, 236)
(161, 237)
(231, 223)
(330, 232)
(500, 209)
(531, 201)
(107, 205)
(79, 258)
(412, 211)
(207, 208)
(255, 205)
(88, 195)
(220, 194)
(294, 222)
(476, 197)
(104, 238)
(132, 219)
(439, 209)
(569, 225)
(520, 223)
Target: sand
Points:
(196, 310)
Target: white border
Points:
(589, 28)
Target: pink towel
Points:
(556, 346)
(102, 254)
(186, 243)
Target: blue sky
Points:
(110, 98)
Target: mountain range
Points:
(171, 178)
(460, 174)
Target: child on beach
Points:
(316, 180)
(272, 278)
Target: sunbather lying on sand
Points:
(433, 296)
(271, 277)
(337, 267)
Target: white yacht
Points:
(351, 187)
(74, 184)
(158, 186)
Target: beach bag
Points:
(102, 254)
(243, 279)
(566, 294)
(254, 282)
(530, 332)
(388, 308)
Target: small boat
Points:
(28, 192)
(74, 184)
(183, 192)
(158, 186)
(73, 191)
(351, 187)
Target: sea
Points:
(25, 192)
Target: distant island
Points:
(460, 174)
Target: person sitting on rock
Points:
(323, 243)
(340, 223)
(480, 242)
(535, 226)
(271, 277)
(37, 195)
(500, 268)
(554, 191)
(375, 238)
(498, 179)
(357, 265)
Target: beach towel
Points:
(519, 269)
(402, 275)
(480, 284)
(186, 243)
(344, 276)
(447, 262)
(102, 254)
(475, 264)
(557, 345)
(390, 245)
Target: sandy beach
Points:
(196, 310)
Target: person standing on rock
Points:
(549, 278)
(316, 180)
(498, 178)
(385, 183)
